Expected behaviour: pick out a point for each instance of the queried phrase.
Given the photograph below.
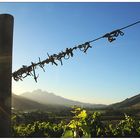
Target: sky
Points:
(108, 73)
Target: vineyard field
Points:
(79, 123)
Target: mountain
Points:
(21, 103)
(24, 104)
(133, 102)
(46, 98)
(42, 100)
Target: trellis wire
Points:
(25, 71)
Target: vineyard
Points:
(82, 124)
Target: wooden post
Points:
(6, 41)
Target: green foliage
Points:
(81, 125)
(78, 123)
(39, 129)
(127, 127)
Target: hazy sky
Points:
(108, 73)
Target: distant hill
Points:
(46, 98)
(133, 102)
(24, 104)
(21, 103)
(42, 100)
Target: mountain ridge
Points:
(45, 97)
(131, 102)
(39, 99)
(23, 104)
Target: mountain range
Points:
(43, 100)
(39, 99)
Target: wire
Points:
(115, 30)
(25, 71)
(95, 39)
(130, 25)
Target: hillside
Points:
(21, 103)
(43, 100)
(44, 97)
(24, 104)
(133, 102)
